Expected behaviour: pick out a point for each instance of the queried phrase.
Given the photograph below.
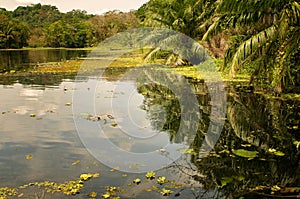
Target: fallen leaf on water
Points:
(275, 152)
(279, 153)
(246, 145)
(245, 153)
(275, 188)
(115, 169)
(272, 150)
(161, 180)
(93, 194)
(297, 143)
(166, 192)
(106, 195)
(114, 124)
(28, 157)
(85, 176)
(137, 181)
(96, 164)
(76, 162)
(188, 151)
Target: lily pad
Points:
(245, 153)
(166, 192)
(32, 115)
(162, 180)
(137, 181)
(150, 175)
(85, 177)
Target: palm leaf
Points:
(249, 46)
(151, 54)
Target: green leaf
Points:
(279, 153)
(225, 181)
(245, 153)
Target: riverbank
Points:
(134, 59)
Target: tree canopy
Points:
(44, 25)
(261, 36)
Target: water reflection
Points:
(253, 123)
(19, 60)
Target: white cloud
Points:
(28, 2)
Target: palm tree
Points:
(267, 32)
(183, 16)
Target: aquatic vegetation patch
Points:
(71, 187)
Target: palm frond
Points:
(249, 46)
(214, 28)
(150, 55)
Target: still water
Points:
(19, 60)
(257, 149)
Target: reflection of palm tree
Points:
(250, 126)
(183, 118)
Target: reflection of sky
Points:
(51, 137)
(127, 142)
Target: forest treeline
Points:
(260, 37)
(45, 26)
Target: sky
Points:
(91, 6)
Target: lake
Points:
(54, 127)
(19, 60)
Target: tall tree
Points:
(112, 22)
(267, 32)
(190, 17)
(76, 34)
(13, 33)
(186, 16)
